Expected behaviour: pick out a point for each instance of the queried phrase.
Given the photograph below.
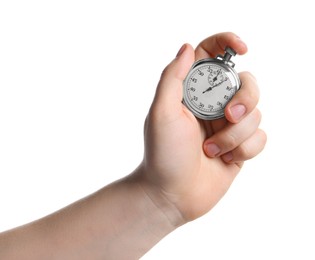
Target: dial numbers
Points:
(209, 88)
(210, 85)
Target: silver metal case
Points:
(210, 85)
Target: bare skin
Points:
(188, 165)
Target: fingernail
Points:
(238, 111)
(181, 50)
(227, 157)
(212, 150)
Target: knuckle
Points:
(244, 152)
(230, 141)
(263, 137)
(165, 72)
(253, 94)
(256, 114)
(248, 150)
(248, 75)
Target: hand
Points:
(188, 163)
(188, 166)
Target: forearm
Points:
(118, 222)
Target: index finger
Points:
(215, 44)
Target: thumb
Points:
(169, 92)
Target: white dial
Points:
(208, 87)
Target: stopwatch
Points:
(210, 85)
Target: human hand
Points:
(188, 166)
(189, 163)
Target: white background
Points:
(76, 82)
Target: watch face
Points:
(208, 87)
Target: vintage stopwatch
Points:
(210, 85)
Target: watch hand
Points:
(216, 77)
(210, 88)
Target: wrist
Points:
(154, 197)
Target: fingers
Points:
(248, 149)
(235, 138)
(247, 97)
(245, 100)
(168, 95)
(216, 44)
(169, 90)
(232, 136)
